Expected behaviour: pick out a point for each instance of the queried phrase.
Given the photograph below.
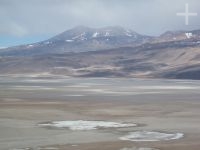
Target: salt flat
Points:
(169, 107)
(86, 125)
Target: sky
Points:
(27, 21)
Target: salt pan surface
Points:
(86, 125)
(151, 136)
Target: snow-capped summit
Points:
(82, 39)
(82, 33)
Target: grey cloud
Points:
(42, 17)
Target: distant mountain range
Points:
(108, 52)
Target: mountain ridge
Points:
(81, 39)
(157, 57)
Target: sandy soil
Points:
(19, 120)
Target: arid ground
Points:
(168, 106)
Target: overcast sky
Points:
(25, 21)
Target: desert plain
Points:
(159, 106)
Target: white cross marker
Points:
(187, 14)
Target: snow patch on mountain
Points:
(128, 33)
(107, 33)
(188, 35)
(80, 37)
(47, 42)
(69, 40)
(95, 34)
(29, 46)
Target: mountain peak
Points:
(80, 27)
(81, 33)
(82, 38)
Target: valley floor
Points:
(169, 112)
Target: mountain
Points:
(178, 36)
(80, 39)
(174, 54)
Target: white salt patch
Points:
(86, 125)
(42, 74)
(12, 99)
(77, 86)
(28, 88)
(151, 136)
(21, 148)
(108, 92)
(42, 80)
